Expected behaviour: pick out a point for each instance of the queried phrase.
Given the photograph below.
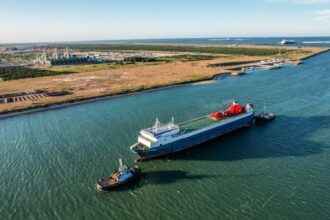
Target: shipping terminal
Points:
(163, 139)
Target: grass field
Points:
(122, 64)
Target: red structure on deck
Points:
(232, 110)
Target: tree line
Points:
(249, 51)
(18, 72)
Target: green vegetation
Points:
(101, 66)
(139, 59)
(175, 48)
(182, 58)
(190, 57)
(18, 57)
(12, 73)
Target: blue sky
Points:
(66, 20)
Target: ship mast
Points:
(122, 168)
(171, 123)
(157, 125)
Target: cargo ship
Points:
(163, 139)
(285, 42)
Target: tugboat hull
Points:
(110, 184)
(264, 117)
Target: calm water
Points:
(50, 161)
(275, 41)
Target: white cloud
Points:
(322, 15)
(310, 2)
(300, 2)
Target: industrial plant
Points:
(63, 58)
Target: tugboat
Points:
(264, 117)
(119, 178)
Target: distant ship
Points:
(163, 139)
(284, 42)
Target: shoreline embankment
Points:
(316, 54)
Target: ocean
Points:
(272, 41)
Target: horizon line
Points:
(165, 38)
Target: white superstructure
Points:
(164, 134)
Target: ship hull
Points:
(197, 138)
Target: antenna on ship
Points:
(171, 123)
(157, 124)
(122, 168)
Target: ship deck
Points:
(196, 124)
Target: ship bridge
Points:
(159, 129)
(158, 132)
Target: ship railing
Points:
(133, 147)
(137, 145)
(195, 119)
